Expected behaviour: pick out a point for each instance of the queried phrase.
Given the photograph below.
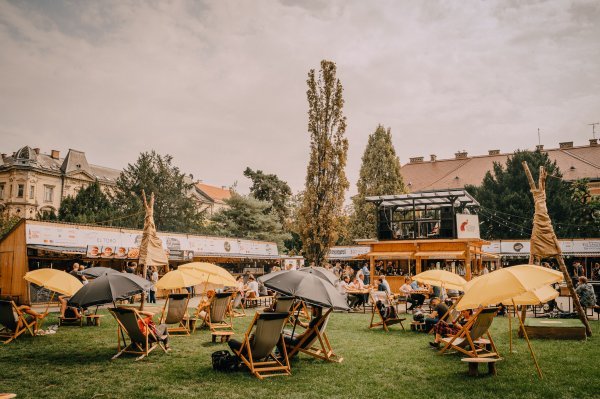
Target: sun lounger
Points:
(384, 322)
(313, 341)
(256, 350)
(14, 322)
(175, 313)
(470, 339)
(129, 323)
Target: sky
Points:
(221, 85)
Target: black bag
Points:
(420, 317)
(225, 361)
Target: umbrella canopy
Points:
(305, 286)
(322, 273)
(540, 295)
(507, 283)
(109, 288)
(211, 273)
(54, 280)
(95, 272)
(176, 279)
(441, 278)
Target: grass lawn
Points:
(75, 363)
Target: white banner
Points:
(349, 252)
(467, 226)
(83, 237)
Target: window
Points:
(20, 190)
(48, 193)
(31, 192)
(2, 190)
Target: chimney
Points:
(461, 155)
(433, 157)
(566, 144)
(55, 154)
(593, 142)
(416, 160)
(539, 147)
(37, 151)
(494, 152)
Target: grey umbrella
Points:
(109, 288)
(306, 286)
(322, 273)
(95, 272)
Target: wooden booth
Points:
(33, 245)
(424, 230)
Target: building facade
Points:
(32, 182)
(575, 162)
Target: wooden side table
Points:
(93, 319)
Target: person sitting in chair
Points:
(66, 311)
(161, 332)
(445, 329)
(585, 292)
(439, 310)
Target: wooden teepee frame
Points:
(544, 242)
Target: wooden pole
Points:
(537, 366)
(558, 256)
(510, 333)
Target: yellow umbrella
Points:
(54, 280)
(535, 297)
(176, 279)
(441, 278)
(505, 284)
(212, 273)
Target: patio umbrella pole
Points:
(537, 366)
(510, 332)
(296, 320)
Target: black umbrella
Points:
(95, 272)
(306, 286)
(322, 273)
(109, 288)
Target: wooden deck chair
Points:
(216, 318)
(256, 349)
(128, 323)
(300, 312)
(235, 304)
(70, 318)
(451, 316)
(283, 304)
(385, 323)
(14, 322)
(175, 312)
(313, 341)
(469, 340)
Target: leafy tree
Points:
(174, 209)
(268, 187)
(507, 205)
(379, 175)
(247, 217)
(586, 215)
(7, 223)
(90, 205)
(294, 244)
(326, 182)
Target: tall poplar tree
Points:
(379, 175)
(326, 183)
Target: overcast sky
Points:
(221, 85)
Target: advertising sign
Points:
(467, 226)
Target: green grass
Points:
(75, 363)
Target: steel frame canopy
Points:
(426, 200)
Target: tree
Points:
(507, 207)
(379, 175)
(174, 209)
(247, 217)
(326, 181)
(7, 223)
(268, 187)
(90, 205)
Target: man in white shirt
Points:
(386, 285)
(252, 286)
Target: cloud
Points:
(221, 85)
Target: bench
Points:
(417, 326)
(224, 335)
(474, 362)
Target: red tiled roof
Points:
(574, 163)
(217, 194)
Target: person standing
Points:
(366, 273)
(153, 277)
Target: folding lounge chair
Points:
(216, 318)
(256, 350)
(385, 323)
(14, 322)
(70, 318)
(469, 340)
(283, 304)
(175, 312)
(313, 341)
(129, 322)
(236, 302)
